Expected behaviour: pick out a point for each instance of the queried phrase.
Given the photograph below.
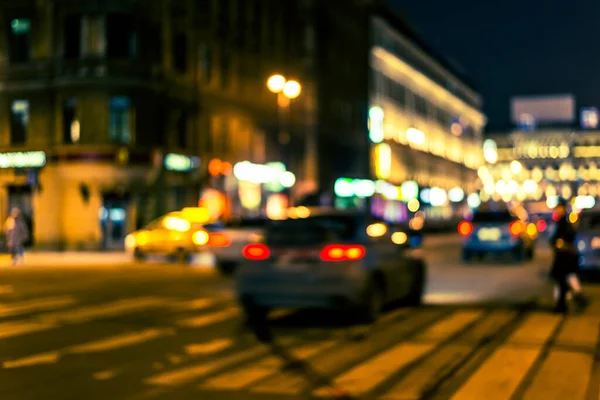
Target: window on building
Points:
(398, 93)
(20, 40)
(19, 121)
(120, 119)
(256, 25)
(71, 128)
(205, 57)
(223, 19)
(182, 125)
(120, 36)
(420, 105)
(225, 67)
(72, 36)
(180, 52)
(151, 42)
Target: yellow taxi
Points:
(178, 235)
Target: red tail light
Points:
(465, 228)
(342, 252)
(256, 252)
(218, 240)
(541, 225)
(516, 228)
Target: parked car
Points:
(330, 259)
(588, 240)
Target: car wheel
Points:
(180, 256)
(138, 255)
(530, 253)
(467, 256)
(373, 302)
(227, 268)
(415, 296)
(519, 254)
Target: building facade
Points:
(425, 124)
(115, 109)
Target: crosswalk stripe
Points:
(210, 319)
(113, 309)
(196, 304)
(38, 359)
(450, 325)
(120, 341)
(535, 330)
(579, 331)
(500, 375)
(352, 351)
(214, 346)
(186, 375)
(246, 376)
(44, 304)
(414, 385)
(367, 376)
(12, 329)
(6, 289)
(563, 375)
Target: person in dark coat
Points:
(565, 264)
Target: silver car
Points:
(332, 260)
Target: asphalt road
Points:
(160, 331)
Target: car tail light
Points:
(465, 228)
(342, 252)
(516, 228)
(256, 252)
(542, 225)
(219, 240)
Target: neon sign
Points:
(27, 159)
(181, 163)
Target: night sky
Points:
(515, 47)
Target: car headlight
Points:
(130, 241)
(200, 238)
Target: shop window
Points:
(19, 121)
(180, 52)
(182, 125)
(71, 128)
(120, 36)
(120, 120)
(72, 36)
(20, 40)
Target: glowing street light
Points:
(276, 83)
(292, 89)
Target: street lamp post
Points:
(285, 90)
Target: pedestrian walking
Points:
(16, 233)
(565, 263)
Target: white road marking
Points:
(6, 289)
(197, 304)
(104, 375)
(11, 329)
(211, 347)
(246, 376)
(44, 304)
(210, 319)
(113, 309)
(119, 341)
(38, 359)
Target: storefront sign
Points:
(274, 175)
(181, 163)
(27, 159)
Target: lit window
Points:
(71, 128)
(120, 120)
(19, 121)
(20, 40)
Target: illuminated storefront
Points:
(91, 200)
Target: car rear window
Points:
(590, 221)
(247, 223)
(497, 217)
(312, 231)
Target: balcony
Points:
(133, 70)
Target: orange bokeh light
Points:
(215, 166)
(226, 168)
